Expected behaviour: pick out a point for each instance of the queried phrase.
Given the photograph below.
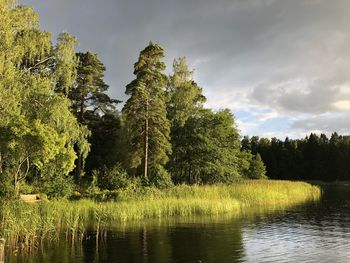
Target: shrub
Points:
(104, 195)
(7, 190)
(113, 178)
(26, 188)
(159, 177)
(54, 185)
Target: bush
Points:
(114, 178)
(159, 177)
(7, 190)
(26, 188)
(54, 185)
(104, 195)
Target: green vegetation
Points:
(315, 157)
(30, 223)
(37, 129)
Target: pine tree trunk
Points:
(79, 166)
(145, 174)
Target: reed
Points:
(29, 224)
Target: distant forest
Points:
(315, 157)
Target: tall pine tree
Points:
(89, 97)
(146, 122)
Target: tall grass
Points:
(29, 224)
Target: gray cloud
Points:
(317, 97)
(287, 55)
(325, 123)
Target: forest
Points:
(315, 157)
(61, 133)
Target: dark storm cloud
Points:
(286, 55)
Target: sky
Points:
(281, 66)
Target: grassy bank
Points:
(30, 223)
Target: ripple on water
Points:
(313, 233)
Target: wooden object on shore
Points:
(29, 199)
(2, 250)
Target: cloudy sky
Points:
(282, 66)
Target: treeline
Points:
(60, 131)
(315, 157)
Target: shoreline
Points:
(30, 224)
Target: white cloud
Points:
(342, 105)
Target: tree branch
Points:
(40, 62)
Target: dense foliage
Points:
(315, 157)
(37, 129)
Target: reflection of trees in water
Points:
(54, 252)
(183, 240)
(185, 243)
(208, 243)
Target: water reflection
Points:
(314, 232)
(318, 232)
(195, 242)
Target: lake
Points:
(312, 232)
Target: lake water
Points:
(312, 232)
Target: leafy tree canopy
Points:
(36, 125)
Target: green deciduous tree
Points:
(185, 97)
(210, 150)
(146, 125)
(205, 144)
(66, 63)
(37, 129)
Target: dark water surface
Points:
(313, 232)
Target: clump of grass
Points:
(29, 224)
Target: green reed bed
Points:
(28, 224)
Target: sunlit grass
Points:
(29, 223)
